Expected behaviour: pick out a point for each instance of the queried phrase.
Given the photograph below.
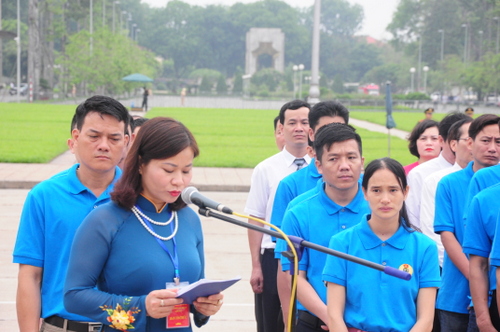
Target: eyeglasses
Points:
(463, 139)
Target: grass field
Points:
(37, 133)
(404, 120)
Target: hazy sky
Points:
(378, 13)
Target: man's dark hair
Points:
(448, 121)
(417, 132)
(138, 122)
(102, 105)
(480, 122)
(334, 133)
(292, 105)
(276, 119)
(455, 131)
(327, 108)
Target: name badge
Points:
(179, 317)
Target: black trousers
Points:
(307, 322)
(267, 304)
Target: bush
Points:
(268, 76)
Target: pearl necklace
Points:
(138, 214)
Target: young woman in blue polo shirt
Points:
(364, 299)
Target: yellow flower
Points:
(120, 320)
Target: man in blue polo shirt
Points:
(482, 215)
(54, 209)
(453, 296)
(299, 182)
(337, 205)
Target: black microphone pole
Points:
(298, 242)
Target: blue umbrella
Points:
(137, 78)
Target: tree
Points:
(221, 87)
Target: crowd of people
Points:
(106, 244)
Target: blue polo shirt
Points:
(481, 224)
(482, 179)
(316, 219)
(450, 198)
(51, 214)
(495, 249)
(376, 301)
(292, 186)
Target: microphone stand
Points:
(300, 244)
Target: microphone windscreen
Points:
(186, 194)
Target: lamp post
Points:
(114, 3)
(103, 13)
(314, 87)
(295, 68)
(137, 35)
(18, 41)
(121, 20)
(301, 69)
(412, 74)
(441, 31)
(91, 24)
(419, 67)
(498, 31)
(480, 44)
(129, 21)
(465, 43)
(425, 69)
(132, 32)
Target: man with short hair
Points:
(54, 209)
(336, 205)
(454, 296)
(480, 218)
(299, 182)
(293, 117)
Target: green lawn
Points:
(36, 133)
(33, 133)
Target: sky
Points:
(378, 13)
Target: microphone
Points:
(191, 195)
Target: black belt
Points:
(310, 319)
(73, 325)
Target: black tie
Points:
(299, 162)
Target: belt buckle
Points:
(93, 327)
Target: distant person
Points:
(469, 111)
(183, 96)
(279, 138)
(265, 178)
(365, 299)
(428, 114)
(423, 143)
(131, 255)
(73, 91)
(145, 95)
(136, 126)
(55, 208)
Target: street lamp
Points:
(18, 41)
(114, 3)
(132, 31)
(103, 13)
(314, 87)
(465, 43)
(91, 23)
(137, 35)
(412, 73)
(121, 19)
(498, 31)
(425, 69)
(301, 69)
(441, 31)
(295, 68)
(480, 44)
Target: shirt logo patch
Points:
(406, 268)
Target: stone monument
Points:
(264, 41)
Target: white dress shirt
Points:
(416, 180)
(428, 206)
